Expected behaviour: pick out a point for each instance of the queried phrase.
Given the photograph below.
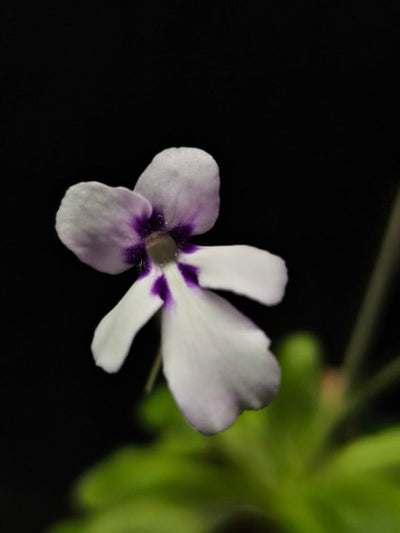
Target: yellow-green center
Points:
(161, 248)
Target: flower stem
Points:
(157, 361)
(381, 381)
(375, 297)
(153, 373)
(378, 383)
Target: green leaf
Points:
(355, 504)
(297, 516)
(136, 472)
(245, 447)
(299, 355)
(141, 516)
(292, 427)
(160, 412)
(379, 453)
(356, 491)
(359, 504)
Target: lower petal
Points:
(115, 333)
(216, 361)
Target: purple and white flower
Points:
(216, 361)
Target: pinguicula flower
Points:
(216, 361)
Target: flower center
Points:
(161, 248)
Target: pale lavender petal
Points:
(183, 184)
(99, 224)
(115, 333)
(216, 361)
(242, 269)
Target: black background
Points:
(299, 105)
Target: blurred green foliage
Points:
(274, 465)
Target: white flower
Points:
(216, 361)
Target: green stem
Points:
(153, 373)
(155, 369)
(378, 383)
(381, 381)
(375, 297)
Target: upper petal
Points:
(183, 183)
(216, 361)
(242, 269)
(97, 223)
(115, 333)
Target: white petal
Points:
(115, 333)
(183, 184)
(216, 361)
(97, 223)
(242, 269)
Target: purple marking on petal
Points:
(161, 289)
(190, 273)
(180, 234)
(189, 248)
(146, 226)
(137, 255)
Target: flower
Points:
(216, 361)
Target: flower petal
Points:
(97, 223)
(115, 333)
(183, 184)
(216, 361)
(242, 269)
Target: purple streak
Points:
(146, 226)
(181, 234)
(190, 274)
(161, 289)
(137, 255)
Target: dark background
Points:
(299, 105)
